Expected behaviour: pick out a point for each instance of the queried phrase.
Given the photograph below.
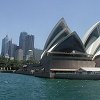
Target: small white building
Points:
(29, 55)
(89, 70)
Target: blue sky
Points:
(38, 17)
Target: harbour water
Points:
(22, 87)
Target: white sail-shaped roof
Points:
(60, 31)
(94, 47)
(61, 39)
(97, 54)
(70, 43)
(91, 35)
(60, 26)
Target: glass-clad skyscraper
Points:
(4, 50)
(26, 43)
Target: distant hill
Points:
(38, 53)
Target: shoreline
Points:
(70, 76)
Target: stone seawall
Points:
(77, 76)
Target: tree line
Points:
(15, 64)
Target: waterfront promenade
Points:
(58, 75)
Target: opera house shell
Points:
(65, 50)
(91, 42)
(59, 39)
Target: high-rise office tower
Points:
(10, 48)
(26, 43)
(5, 46)
(22, 41)
(14, 48)
(19, 54)
(29, 44)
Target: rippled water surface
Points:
(22, 87)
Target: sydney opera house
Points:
(64, 51)
(91, 43)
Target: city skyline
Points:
(38, 17)
(23, 51)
